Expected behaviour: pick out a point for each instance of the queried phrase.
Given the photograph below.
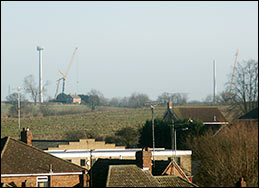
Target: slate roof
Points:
(204, 114)
(101, 173)
(20, 158)
(130, 176)
(173, 181)
(100, 168)
(253, 114)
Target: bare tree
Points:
(226, 157)
(244, 94)
(178, 98)
(31, 88)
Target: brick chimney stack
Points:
(241, 183)
(144, 159)
(26, 136)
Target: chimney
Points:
(241, 183)
(26, 136)
(144, 159)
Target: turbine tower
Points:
(40, 75)
(214, 82)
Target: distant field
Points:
(105, 121)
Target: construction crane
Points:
(64, 76)
(234, 69)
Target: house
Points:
(137, 173)
(76, 99)
(25, 165)
(210, 116)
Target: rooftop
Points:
(20, 158)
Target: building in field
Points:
(76, 99)
(23, 165)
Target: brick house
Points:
(137, 173)
(25, 165)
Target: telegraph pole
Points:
(153, 132)
(19, 108)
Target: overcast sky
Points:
(126, 47)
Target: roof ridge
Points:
(4, 148)
(45, 153)
(187, 181)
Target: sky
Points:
(125, 47)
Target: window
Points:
(42, 181)
(82, 162)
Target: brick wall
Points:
(186, 163)
(55, 181)
(64, 181)
(31, 181)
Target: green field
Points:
(104, 121)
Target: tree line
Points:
(243, 97)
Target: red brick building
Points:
(25, 165)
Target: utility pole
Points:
(19, 108)
(153, 132)
(214, 82)
(173, 141)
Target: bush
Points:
(124, 137)
(128, 136)
(163, 133)
(46, 110)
